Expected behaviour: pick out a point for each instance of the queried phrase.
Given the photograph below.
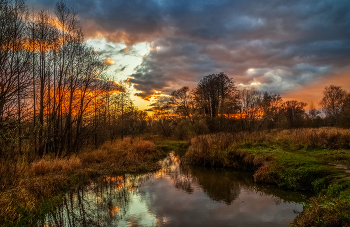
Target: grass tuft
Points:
(43, 166)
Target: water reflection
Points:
(176, 195)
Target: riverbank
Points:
(42, 183)
(301, 159)
(316, 160)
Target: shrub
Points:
(143, 147)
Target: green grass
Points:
(289, 163)
(293, 169)
(172, 145)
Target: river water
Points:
(177, 195)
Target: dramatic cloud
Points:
(280, 46)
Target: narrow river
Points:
(177, 195)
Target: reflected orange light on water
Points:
(120, 182)
(114, 210)
(114, 179)
(109, 61)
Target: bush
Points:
(143, 147)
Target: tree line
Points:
(216, 105)
(56, 98)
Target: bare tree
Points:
(294, 113)
(183, 101)
(332, 102)
(212, 93)
(344, 118)
(14, 66)
(271, 105)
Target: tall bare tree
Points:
(14, 66)
(332, 102)
(212, 93)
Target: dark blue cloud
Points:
(286, 43)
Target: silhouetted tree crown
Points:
(213, 92)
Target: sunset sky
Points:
(294, 48)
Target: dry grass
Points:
(209, 149)
(144, 147)
(43, 166)
(10, 172)
(9, 201)
(322, 138)
(220, 150)
(332, 138)
(121, 152)
(48, 177)
(262, 173)
(96, 156)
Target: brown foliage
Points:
(332, 138)
(220, 150)
(43, 166)
(10, 172)
(121, 152)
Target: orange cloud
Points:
(144, 96)
(39, 45)
(55, 23)
(94, 30)
(313, 92)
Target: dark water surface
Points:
(177, 195)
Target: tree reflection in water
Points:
(103, 203)
(117, 201)
(219, 186)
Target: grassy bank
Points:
(42, 183)
(302, 159)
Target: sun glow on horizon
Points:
(122, 61)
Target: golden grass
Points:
(333, 138)
(121, 152)
(96, 156)
(43, 166)
(322, 138)
(209, 149)
(47, 177)
(216, 150)
(144, 147)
